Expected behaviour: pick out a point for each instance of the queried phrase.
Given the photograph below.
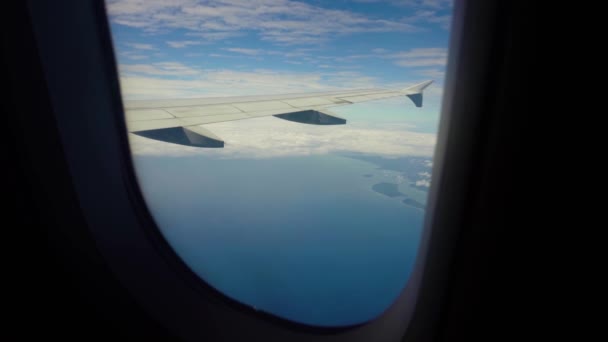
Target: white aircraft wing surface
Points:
(178, 121)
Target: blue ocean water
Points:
(303, 238)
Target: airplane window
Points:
(285, 148)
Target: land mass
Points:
(412, 168)
(392, 190)
(387, 189)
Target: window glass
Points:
(301, 216)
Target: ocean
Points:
(302, 238)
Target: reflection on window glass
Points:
(308, 207)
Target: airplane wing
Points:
(178, 121)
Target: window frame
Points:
(96, 147)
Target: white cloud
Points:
(133, 55)
(213, 36)
(279, 21)
(379, 50)
(145, 87)
(272, 137)
(436, 74)
(244, 51)
(160, 69)
(182, 43)
(421, 57)
(429, 16)
(137, 57)
(436, 4)
(424, 174)
(416, 57)
(140, 46)
(248, 52)
(423, 182)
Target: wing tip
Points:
(415, 92)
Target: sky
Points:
(226, 47)
(272, 173)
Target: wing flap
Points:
(313, 117)
(188, 136)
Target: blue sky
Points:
(322, 44)
(198, 48)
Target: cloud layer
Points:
(272, 137)
(278, 21)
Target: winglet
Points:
(415, 92)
